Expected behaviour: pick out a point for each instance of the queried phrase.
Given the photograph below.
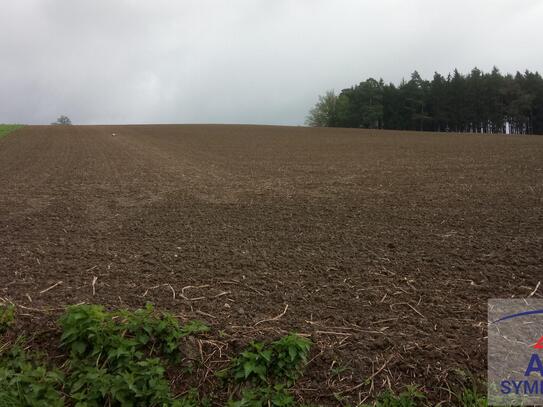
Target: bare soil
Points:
(382, 246)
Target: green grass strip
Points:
(5, 129)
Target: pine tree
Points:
(476, 102)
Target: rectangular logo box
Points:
(515, 352)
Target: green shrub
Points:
(290, 357)
(281, 361)
(112, 353)
(158, 335)
(253, 363)
(119, 359)
(267, 370)
(25, 382)
(276, 396)
(139, 383)
(90, 331)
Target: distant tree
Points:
(416, 93)
(438, 103)
(393, 107)
(532, 86)
(324, 113)
(345, 110)
(477, 102)
(62, 121)
(361, 105)
(370, 104)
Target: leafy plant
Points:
(268, 369)
(7, 316)
(90, 331)
(138, 383)
(281, 361)
(89, 385)
(87, 330)
(191, 399)
(337, 369)
(472, 398)
(290, 356)
(118, 359)
(194, 327)
(25, 382)
(159, 334)
(111, 355)
(253, 363)
(276, 396)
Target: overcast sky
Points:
(240, 61)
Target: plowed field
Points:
(383, 246)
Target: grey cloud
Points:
(239, 61)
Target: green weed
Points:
(267, 370)
(134, 383)
(472, 398)
(281, 361)
(191, 399)
(90, 331)
(466, 390)
(276, 396)
(194, 327)
(116, 355)
(119, 358)
(26, 382)
(337, 369)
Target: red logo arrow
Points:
(539, 344)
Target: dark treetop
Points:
(476, 102)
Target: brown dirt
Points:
(384, 245)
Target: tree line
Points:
(477, 102)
